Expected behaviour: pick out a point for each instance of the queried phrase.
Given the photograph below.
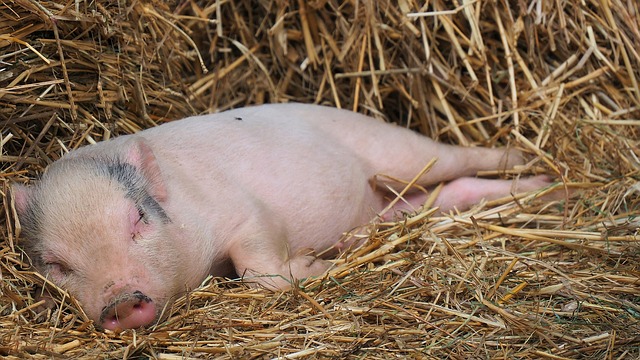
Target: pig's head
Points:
(96, 226)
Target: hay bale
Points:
(507, 279)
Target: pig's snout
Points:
(129, 311)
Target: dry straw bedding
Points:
(509, 279)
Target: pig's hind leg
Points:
(403, 154)
(465, 192)
(406, 153)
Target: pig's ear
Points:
(21, 195)
(139, 154)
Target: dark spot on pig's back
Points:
(136, 186)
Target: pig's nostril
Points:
(128, 312)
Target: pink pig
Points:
(128, 224)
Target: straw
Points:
(521, 277)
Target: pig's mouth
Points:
(128, 311)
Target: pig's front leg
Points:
(264, 257)
(268, 262)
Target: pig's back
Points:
(286, 157)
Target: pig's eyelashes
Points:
(142, 216)
(142, 220)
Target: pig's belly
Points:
(315, 193)
(322, 224)
(317, 197)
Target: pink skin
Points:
(136, 309)
(129, 224)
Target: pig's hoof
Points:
(297, 268)
(307, 265)
(129, 311)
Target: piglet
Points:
(128, 224)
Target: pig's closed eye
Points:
(142, 216)
(58, 269)
(139, 223)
